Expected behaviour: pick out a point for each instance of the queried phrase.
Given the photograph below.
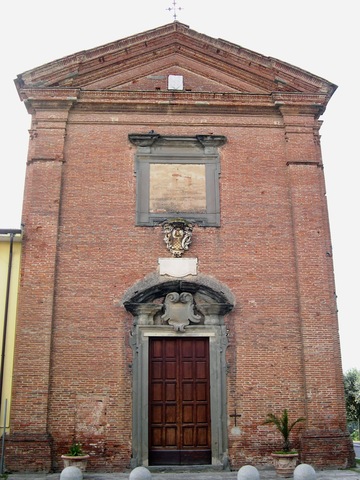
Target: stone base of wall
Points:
(33, 452)
(327, 449)
(28, 453)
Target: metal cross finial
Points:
(174, 8)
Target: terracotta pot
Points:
(285, 463)
(79, 461)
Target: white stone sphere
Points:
(248, 472)
(71, 473)
(304, 472)
(140, 473)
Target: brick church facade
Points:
(177, 279)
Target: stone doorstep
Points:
(186, 468)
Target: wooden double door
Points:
(179, 401)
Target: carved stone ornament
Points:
(179, 310)
(177, 235)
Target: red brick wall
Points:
(82, 251)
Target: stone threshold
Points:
(186, 468)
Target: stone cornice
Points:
(49, 94)
(149, 139)
(48, 99)
(117, 61)
(104, 100)
(74, 94)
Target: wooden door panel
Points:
(188, 414)
(187, 371)
(157, 370)
(202, 436)
(170, 370)
(156, 436)
(201, 370)
(202, 414)
(187, 391)
(179, 401)
(169, 350)
(157, 414)
(170, 413)
(171, 436)
(156, 392)
(170, 392)
(201, 392)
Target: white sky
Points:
(319, 36)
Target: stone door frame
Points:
(218, 341)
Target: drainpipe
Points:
(6, 312)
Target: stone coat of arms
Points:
(179, 310)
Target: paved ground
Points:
(197, 475)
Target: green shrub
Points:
(75, 450)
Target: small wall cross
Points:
(174, 8)
(235, 415)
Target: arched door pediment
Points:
(178, 303)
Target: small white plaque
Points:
(175, 82)
(178, 267)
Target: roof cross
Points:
(174, 8)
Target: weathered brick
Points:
(82, 250)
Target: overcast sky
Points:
(319, 36)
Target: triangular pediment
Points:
(144, 61)
(154, 79)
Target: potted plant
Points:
(285, 460)
(76, 457)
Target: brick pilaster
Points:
(41, 209)
(322, 372)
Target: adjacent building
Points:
(10, 253)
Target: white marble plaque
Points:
(178, 267)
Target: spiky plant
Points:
(283, 426)
(75, 450)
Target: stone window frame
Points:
(153, 148)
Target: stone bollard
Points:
(71, 473)
(248, 472)
(304, 472)
(140, 473)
